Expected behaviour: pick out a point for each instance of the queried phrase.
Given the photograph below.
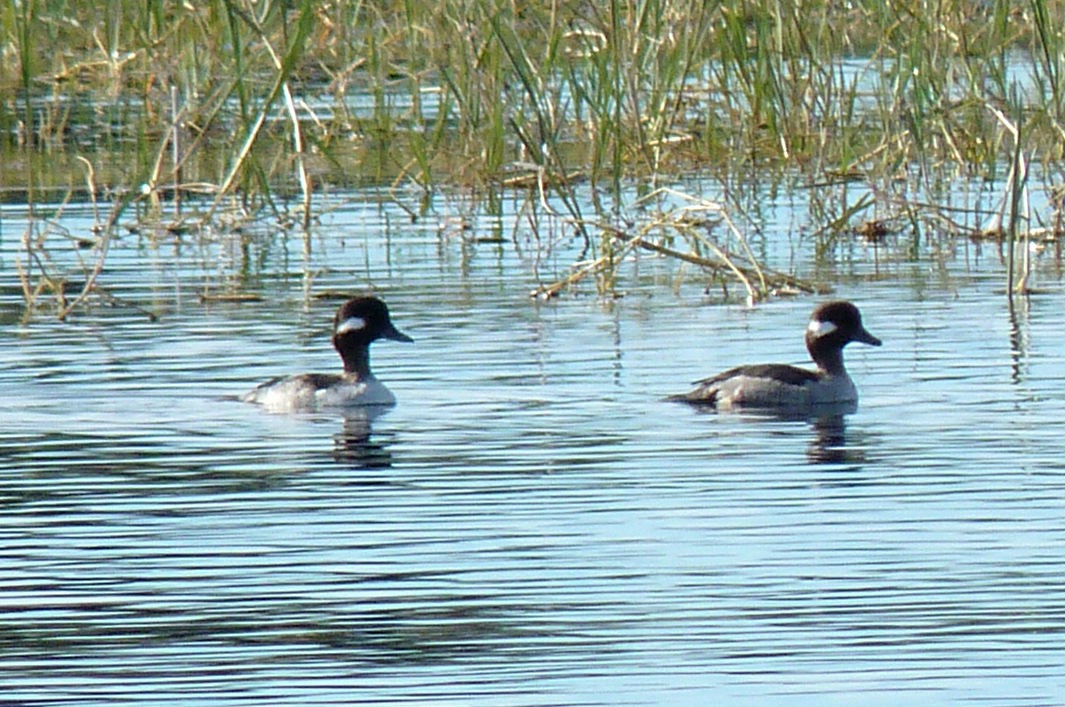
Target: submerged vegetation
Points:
(187, 116)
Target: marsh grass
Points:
(593, 110)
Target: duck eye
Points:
(351, 324)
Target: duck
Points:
(782, 387)
(358, 323)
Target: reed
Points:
(590, 107)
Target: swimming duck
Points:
(771, 386)
(358, 322)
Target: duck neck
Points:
(829, 359)
(356, 361)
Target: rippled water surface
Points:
(532, 524)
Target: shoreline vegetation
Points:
(193, 117)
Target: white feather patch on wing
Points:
(351, 324)
(819, 328)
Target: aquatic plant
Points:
(232, 109)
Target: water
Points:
(532, 524)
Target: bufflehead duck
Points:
(359, 322)
(781, 387)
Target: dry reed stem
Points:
(688, 221)
(102, 245)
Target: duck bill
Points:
(396, 335)
(867, 338)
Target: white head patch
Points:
(351, 324)
(819, 328)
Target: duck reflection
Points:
(829, 444)
(354, 444)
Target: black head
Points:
(840, 323)
(361, 320)
(833, 325)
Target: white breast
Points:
(300, 394)
(366, 392)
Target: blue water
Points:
(532, 524)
